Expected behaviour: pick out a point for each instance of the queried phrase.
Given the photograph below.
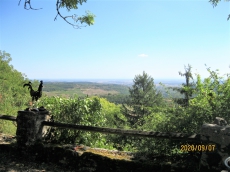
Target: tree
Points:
(187, 87)
(82, 111)
(69, 5)
(114, 117)
(12, 95)
(215, 2)
(11, 82)
(143, 97)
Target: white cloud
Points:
(142, 55)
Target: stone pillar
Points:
(29, 127)
(217, 134)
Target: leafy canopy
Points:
(69, 5)
(12, 95)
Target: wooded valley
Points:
(143, 106)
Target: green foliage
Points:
(144, 101)
(69, 5)
(88, 18)
(115, 119)
(143, 109)
(73, 4)
(143, 97)
(113, 115)
(116, 98)
(85, 111)
(168, 92)
(12, 95)
(214, 2)
(187, 88)
(211, 99)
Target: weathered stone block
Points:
(29, 127)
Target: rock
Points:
(215, 135)
(29, 127)
(220, 121)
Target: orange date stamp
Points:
(198, 147)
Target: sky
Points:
(128, 37)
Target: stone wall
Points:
(217, 134)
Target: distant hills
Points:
(127, 82)
(99, 87)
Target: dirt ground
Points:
(11, 161)
(15, 163)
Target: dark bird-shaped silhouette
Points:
(35, 94)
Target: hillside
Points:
(68, 89)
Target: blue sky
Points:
(128, 37)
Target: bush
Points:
(82, 111)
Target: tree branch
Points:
(65, 18)
(27, 2)
(214, 4)
(27, 6)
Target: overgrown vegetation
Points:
(12, 95)
(75, 110)
(143, 108)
